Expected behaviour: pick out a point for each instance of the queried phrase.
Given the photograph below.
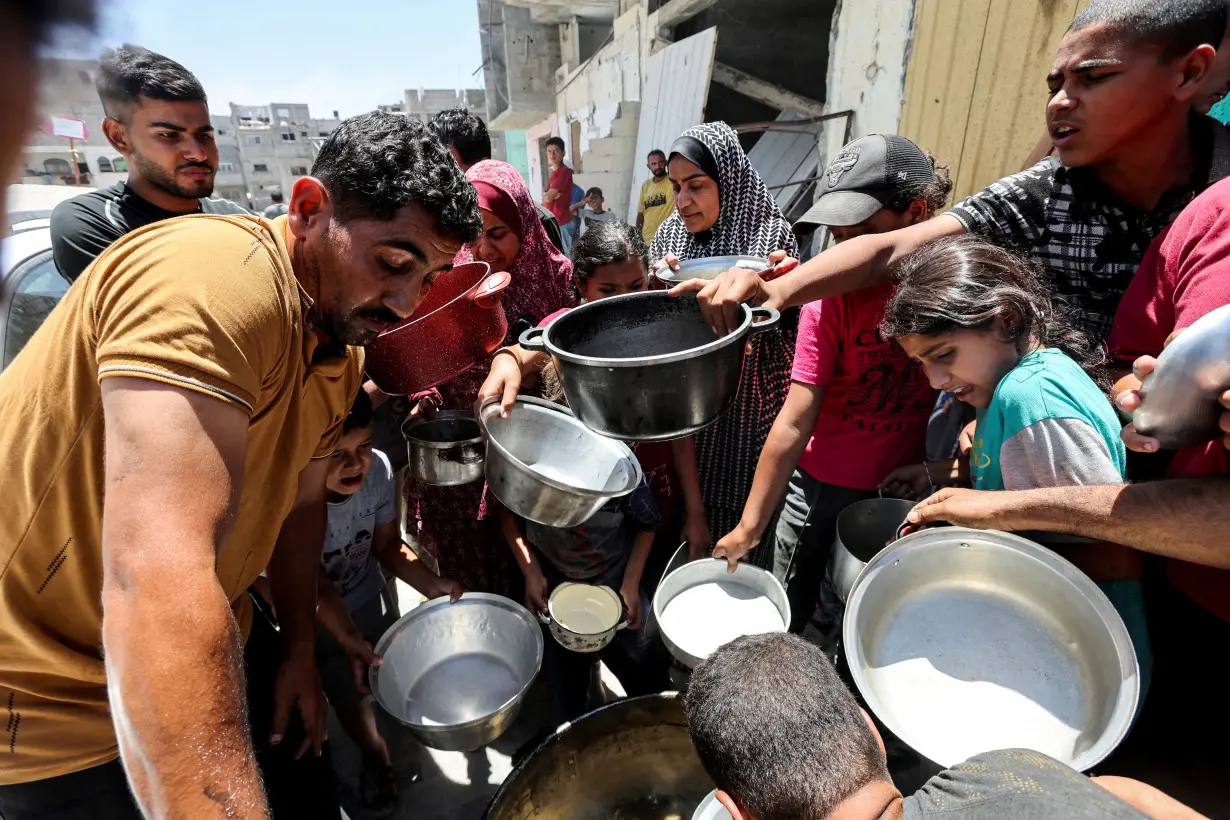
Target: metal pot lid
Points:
(711, 267)
(964, 641)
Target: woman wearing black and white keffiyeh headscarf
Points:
(748, 222)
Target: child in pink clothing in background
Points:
(857, 407)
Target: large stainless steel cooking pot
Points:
(724, 612)
(646, 366)
(546, 466)
(632, 759)
(446, 450)
(1179, 399)
(863, 529)
(965, 641)
(455, 674)
(710, 267)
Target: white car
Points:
(30, 285)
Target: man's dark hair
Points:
(777, 730)
(276, 196)
(558, 143)
(40, 20)
(131, 72)
(463, 131)
(594, 191)
(360, 415)
(1175, 26)
(935, 192)
(376, 163)
(657, 152)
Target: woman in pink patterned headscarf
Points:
(452, 522)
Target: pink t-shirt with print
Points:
(876, 400)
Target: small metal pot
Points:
(863, 529)
(547, 467)
(584, 617)
(455, 674)
(1179, 399)
(710, 268)
(646, 366)
(459, 323)
(446, 450)
(755, 581)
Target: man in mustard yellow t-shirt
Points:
(154, 427)
(657, 198)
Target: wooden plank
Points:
(673, 99)
(675, 12)
(771, 95)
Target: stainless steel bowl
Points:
(863, 529)
(446, 450)
(546, 466)
(646, 366)
(631, 759)
(748, 582)
(455, 674)
(1179, 404)
(710, 267)
(966, 641)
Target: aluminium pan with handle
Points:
(646, 366)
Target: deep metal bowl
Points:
(455, 674)
(965, 641)
(446, 450)
(647, 366)
(1179, 399)
(631, 759)
(745, 582)
(863, 529)
(546, 466)
(710, 267)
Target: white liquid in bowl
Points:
(704, 617)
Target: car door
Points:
(31, 290)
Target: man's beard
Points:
(659, 174)
(344, 327)
(158, 176)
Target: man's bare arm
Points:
(1178, 518)
(171, 645)
(293, 573)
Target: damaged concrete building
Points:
(965, 79)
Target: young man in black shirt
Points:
(157, 118)
(782, 737)
(1131, 153)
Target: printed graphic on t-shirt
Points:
(979, 462)
(347, 566)
(891, 390)
(654, 200)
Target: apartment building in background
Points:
(276, 145)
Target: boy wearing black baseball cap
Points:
(863, 401)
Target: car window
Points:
(37, 288)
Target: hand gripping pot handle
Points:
(764, 318)
(532, 340)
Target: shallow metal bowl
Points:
(545, 465)
(748, 581)
(455, 674)
(711, 267)
(630, 760)
(965, 641)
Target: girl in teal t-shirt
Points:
(980, 321)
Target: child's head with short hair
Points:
(969, 311)
(611, 259)
(352, 457)
(593, 198)
(1128, 74)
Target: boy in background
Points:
(590, 209)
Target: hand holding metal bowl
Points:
(1179, 400)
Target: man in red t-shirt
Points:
(558, 197)
(857, 407)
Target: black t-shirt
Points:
(551, 226)
(1015, 783)
(86, 225)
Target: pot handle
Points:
(623, 609)
(764, 318)
(532, 340)
(543, 618)
(488, 294)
